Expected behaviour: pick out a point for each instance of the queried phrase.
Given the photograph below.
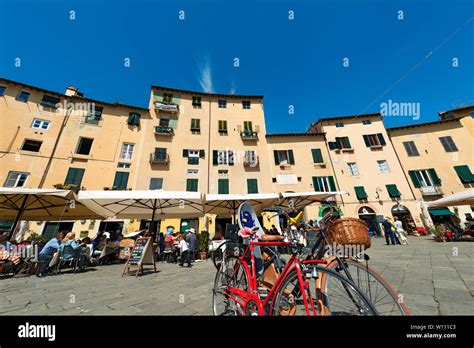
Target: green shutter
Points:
(252, 186)
(201, 153)
(348, 143)
(133, 119)
(414, 178)
(360, 192)
(316, 184)
(223, 186)
(381, 139)
(366, 140)
(338, 143)
(317, 156)
(121, 180)
(332, 145)
(434, 177)
(464, 174)
(192, 185)
(277, 158)
(332, 184)
(291, 158)
(74, 176)
(393, 191)
(185, 153)
(215, 157)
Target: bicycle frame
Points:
(242, 297)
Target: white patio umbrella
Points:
(148, 204)
(299, 200)
(41, 205)
(227, 204)
(459, 198)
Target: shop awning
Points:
(464, 174)
(360, 192)
(440, 211)
(393, 191)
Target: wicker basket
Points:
(348, 231)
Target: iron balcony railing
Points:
(248, 134)
(167, 107)
(164, 130)
(431, 191)
(159, 157)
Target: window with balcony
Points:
(50, 101)
(374, 140)
(196, 102)
(84, 146)
(195, 125)
(283, 157)
(246, 104)
(222, 126)
(383, 166)
(40, 124)
(16, 179)
(94, 115)
(448, 144)
(23, 96)
(410, 148)
(353, 169)
(223, 157)
(160, 155)
(426, 180)
(222, 103)
(193, 155)
(31, 145)
(167, 98)
(127, 151)
(324, 184)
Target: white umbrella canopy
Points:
(227, 204)
(459, 198)
(143, 204)
(299, 200)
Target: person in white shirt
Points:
(401, 234)
(184, 252)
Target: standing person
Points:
(161, 245)
(387, 227)
(184, 252)
(191, 239)
(401, 234)
(47, 253)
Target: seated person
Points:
(71, 248)
(47, 253)
(98, 244)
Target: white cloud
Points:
(205, 75)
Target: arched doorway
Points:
(368, 215)
(404, 215)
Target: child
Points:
(184, 252)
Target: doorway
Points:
(404, 215)
(221, 223)
(186, 224)
(50, 228)
(113, 227)
(367, 214)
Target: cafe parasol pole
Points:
(17, 218)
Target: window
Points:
(16, 179)
(339, 124)
(246, 104)
(127, 151)
(448, 144)
(160, 154)
(31, 145)
(222, 103)
(84, 146)
(252, 186)
(133, 119)
(164, 122)
(324, 184)
(360, 192)
(74, 176)
(366, 122)
(167, 98)
(317, 156)
(223, 186)
(50, 101)
(340, 143)
(424, 178)
(250, 157)
(248, 126)
(124, 165)
(374, 140)
(156, 183)
(222, 126)
(193, 155)
(410, 148)
(121, 180)
(23, 96)
(2, 90)
(40, 124)
(192, 185)
(464, 174)
(283, 157)
(193, 171)
(197, 102)
(353, 169)
(94, 115)
(195, 125)
(393, 191)
(383, 166)
(222, 157)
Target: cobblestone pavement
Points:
(434, 279)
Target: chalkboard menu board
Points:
(141, 254)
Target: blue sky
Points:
(295, 62)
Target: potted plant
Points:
(203, 244)
(37, 239)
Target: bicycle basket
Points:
(348, 231)
(231, 233)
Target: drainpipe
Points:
(209, 155)
(332, 165)
(401, 166)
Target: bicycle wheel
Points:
(231, 274)
(339, 296)
(378, 290)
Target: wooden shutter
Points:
(201, 153)
(277, 158)
(215, 156)
(316, 184)
(192, 185)
(381, 139)
(252, 186)
(414, 178)
(332, 184)
(366, 140)
(185, 153)
(434, 177)
(74, 176)
(121, 180)
(317, 156)
(291, 158)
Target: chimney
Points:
(71, 91)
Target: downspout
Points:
(332, 166)
(209, 155)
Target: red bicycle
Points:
(237, 292)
